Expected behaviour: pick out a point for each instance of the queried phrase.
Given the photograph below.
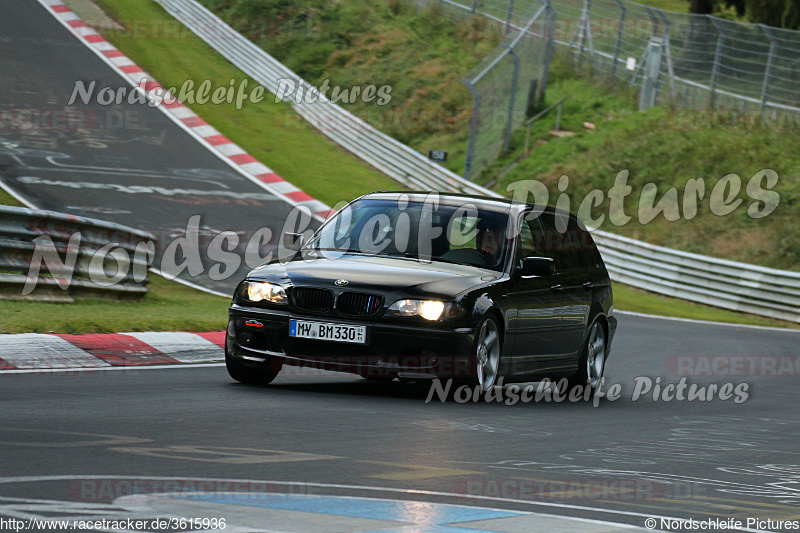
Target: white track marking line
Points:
(706, 322)
(109, 368)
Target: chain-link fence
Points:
(690, 61)
(702, 61)
(510, 81)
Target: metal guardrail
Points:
(110, 260)
(727, 284)
(717, 282)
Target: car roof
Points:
(490, 202)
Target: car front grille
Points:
(313, 300)
(356, 304)
(359, 304)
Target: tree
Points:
(779, 13)
(701, 7)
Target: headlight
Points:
(427, 309)
(260, 291)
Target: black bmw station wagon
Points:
(417, 286)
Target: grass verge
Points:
(631, 299)
(7, 199)
(168, 306)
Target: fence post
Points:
(715, 70)
(651, 68)
(473, 132)
(548, 55)
(768, 70)
(513, 98)
(509, 14)
(585, 27)
(558, 119)
(652, 72)
(475, 6)
(667, 53)
(618, 47)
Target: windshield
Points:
(460, 234)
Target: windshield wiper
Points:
(356, 251)
(342, 250)
(407, 255)
(429, 258)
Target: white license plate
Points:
(328, 332)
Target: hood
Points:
(378, 274)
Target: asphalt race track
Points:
(104, 161)
(320, 451)
(73, 444)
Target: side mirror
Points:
(293, 241)
(541, 267)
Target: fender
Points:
(483, 305)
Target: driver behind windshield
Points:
(444, 233)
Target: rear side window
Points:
(570, 244)
(531, 241)
(590, 255)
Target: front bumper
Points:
(257, 336)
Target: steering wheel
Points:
(490, 259)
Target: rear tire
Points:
(592, 364)
(261, 375)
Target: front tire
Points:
(264, 374)
(592, 364)
(486, 355)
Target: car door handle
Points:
(587, 285)
(556, 288)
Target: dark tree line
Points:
(780, 13)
